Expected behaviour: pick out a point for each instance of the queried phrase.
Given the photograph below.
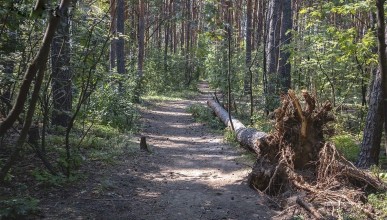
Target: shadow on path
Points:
(191, 174)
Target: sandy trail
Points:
(190, 174)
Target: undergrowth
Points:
(18, 208)
(205, 115)
(347, 145)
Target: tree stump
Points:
(143, 145)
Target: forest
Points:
(298, 86)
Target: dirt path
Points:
(191, 174)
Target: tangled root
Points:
(295, 158)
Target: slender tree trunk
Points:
(141, 47)
(187, 43)
(120, 31)
(61, 73)
(113, 28)
(166, 37)
(247, 82)
(229, 40)
(272, 52)
(284, 66)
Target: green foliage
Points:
(379, 202)
(298, 217)
(104, 131)
(18, 208)
(113, 105)
(48, 179)
(347, 145)
(110, 152)
(351, 120)
(230, 137)
(102, 143)
(205, 115)
(261, 122)
(333, 60)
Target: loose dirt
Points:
(189, 174)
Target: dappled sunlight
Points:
(171, 113)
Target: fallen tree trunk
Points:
(247, 137)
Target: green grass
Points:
(230, 137)
(346, 144)
(102, 143)
(379, 203)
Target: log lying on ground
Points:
(247, 137)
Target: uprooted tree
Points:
(296, 155)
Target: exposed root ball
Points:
(296, 157)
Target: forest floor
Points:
(189, 174)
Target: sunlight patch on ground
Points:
(213, 178)
(171, 113)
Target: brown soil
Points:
(190, 174)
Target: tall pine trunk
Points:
(272, 53)
(141, 47)
(377, 113)
(370, 146)
(113, 30)
(284, 67)
(120, 31)
(247, 81)
(61, 73)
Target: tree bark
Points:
(370, 147)
(113, 30)
(272, 53)
(377, 113)
(382, 60)
(284, 67)
(61, 73)
(247, 81)
(247, 137)
(141, 47)
(120, 41)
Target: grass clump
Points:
(230, 137)
(346, 144)
(379, 203)
(205, 115)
